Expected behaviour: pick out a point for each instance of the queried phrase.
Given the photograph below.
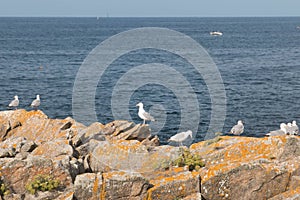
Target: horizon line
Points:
(93, 16)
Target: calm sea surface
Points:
(258, 58)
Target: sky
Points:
(149, 8)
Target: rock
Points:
(7, 152)
(151, 141)
(178, 185)
(249, 181)
(124, 185)
(18, 173)
(13, 197)
(88, 147)
(295, 182)
(252, 168)
(291, 149)
(130, 155)
(122, 126)
(138, 132)
(91, 132)
(289, 195)
(88, 186)
(93, 129)
(53, 149)
(10, 120)
(195, 196)
(11, 146)
(108, 129)
(28, 146)
(35, 126)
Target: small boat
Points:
(216, 33)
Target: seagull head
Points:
(38, 96)
(190, 133)
(240, 122)
(16, 97)
(294, 123)
(139, 104)
(289, 124)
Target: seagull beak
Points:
(137, 105)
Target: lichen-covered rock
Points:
(130, 155)
(18, 173)
(124, 185)
(247, 168)
(35, 126)
(178, 185)
(12, 146)
(88, 186)
(53, 149)
(288, 195)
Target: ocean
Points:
(258, 59)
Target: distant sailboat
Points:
(216, 33)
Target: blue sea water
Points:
(258, 58)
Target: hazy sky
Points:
(150, 8)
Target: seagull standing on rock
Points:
(180, 137)
(36, 103)
(14, 103)
(143, 114)
(238, 129)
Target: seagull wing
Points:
(148, 116)
(276, 133)
(35, 103)
(237, 129)
(14, 103)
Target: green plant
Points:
(3, 189)
(214, 140)
(42, 183)
(186, 158)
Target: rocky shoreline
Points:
(42, 158)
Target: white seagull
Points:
(289, 128)
(281, 131)
(14, 103)
(180, 137)
(237, 129)
(143, 114)
(36, 103)
(294, 129)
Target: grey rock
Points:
(88, 186)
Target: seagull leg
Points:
(144, 122)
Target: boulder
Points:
(247, 168)
(170, 185)
(124, 185)
(88, 186)
(53, 149)
(18, 173)
(35, 126)
(130, 155)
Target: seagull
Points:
(281, 131)
(36, 103)
(180, 137)
(237, 129)
(143, 114)
(294, 129)
(289, 128)
(14, 103)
